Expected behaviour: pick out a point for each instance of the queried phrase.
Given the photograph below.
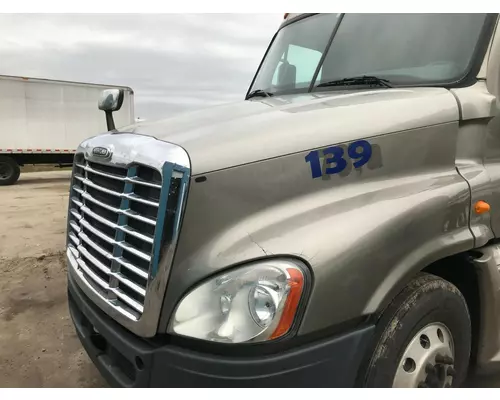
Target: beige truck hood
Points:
(261, 128)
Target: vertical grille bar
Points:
(120, 235)
(167, 177)
(170, 172)
(182, 193)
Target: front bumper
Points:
(126, 360)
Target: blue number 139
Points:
(359, 151)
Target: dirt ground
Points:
(38, 344)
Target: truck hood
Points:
(249, 131)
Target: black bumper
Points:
(125, 360)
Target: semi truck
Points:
(338, 227)
(43, 121)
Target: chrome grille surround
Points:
(122, 233)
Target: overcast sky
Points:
(174, 62)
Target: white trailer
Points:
(42, 121)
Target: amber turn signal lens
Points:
(481, 207)
(296, 282)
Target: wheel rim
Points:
(428, 360)
(6, 171)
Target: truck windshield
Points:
(405, 49)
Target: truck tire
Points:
(9, 171)
(423, 339)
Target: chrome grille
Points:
(118, 219)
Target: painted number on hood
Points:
(359, 152)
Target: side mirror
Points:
(110, 100)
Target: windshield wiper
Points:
(358, 80)
(259, 93)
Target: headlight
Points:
(254, 303)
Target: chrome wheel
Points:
(428, 360)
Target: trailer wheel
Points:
(423, 338)
(9, 171)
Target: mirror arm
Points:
(110, 121)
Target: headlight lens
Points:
(252, 303)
